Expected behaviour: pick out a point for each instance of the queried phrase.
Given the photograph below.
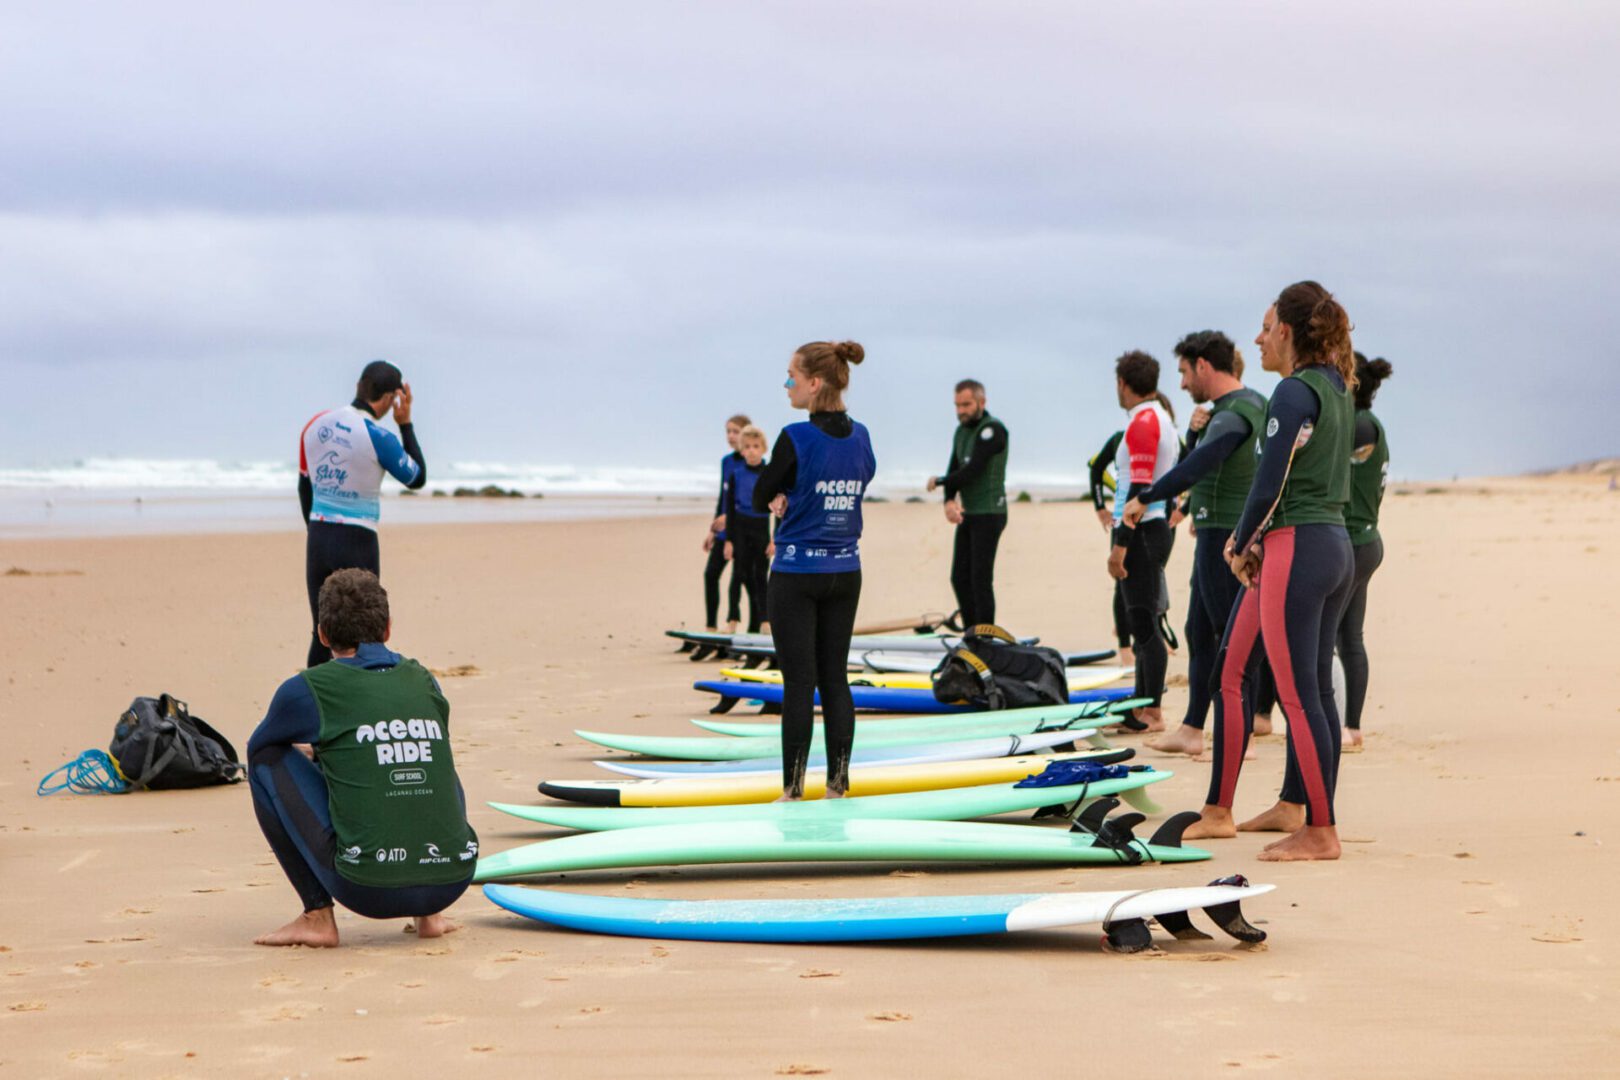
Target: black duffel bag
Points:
(991, 670)
(158, 744)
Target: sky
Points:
(590, 232)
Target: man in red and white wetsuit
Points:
(1148, 450)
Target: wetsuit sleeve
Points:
(407, 436)
(393, 456)
(725, 485)
(1221, 438)
(779, 475)
(1292, 405)
(945, 477)
(293, 717)
(729, 493)
(306, 496)
(1365, 439)
(978, 459)
(1099, 469)
(1142, 444)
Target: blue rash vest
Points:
(821, 531)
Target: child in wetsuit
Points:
(748, 534)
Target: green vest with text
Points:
(1318, 484)
(391, 781)
(1216, 501)
(987, 492)
(1367, 478)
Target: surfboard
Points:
(950, 725)
(883, 918)
(950, 804)
(888, 642)
(1089, 679)
(975, 725)
(882, 699)
(908, 754)
(863, 780)
(829, 841)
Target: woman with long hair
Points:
(1291, 552)
(816, 482)
(1369, 469)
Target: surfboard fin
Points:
(1139, 799)
(1128, 936)
(1180, 926)
(1092, 818)
(724, 705)
(1229, 916)
(1169, 834)
(754, 660)
(770, 708)
(701, 652)
(687, 646)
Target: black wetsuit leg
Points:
(1215, 590)
(973, 566)
(290, 801)
(1144, 577)
(812, 619)
(711, 582)
(328, 548)
(1352, 648)
(734, 592)
(1122, 618)
(749, 538)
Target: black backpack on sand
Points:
(991, 670)
(158, 744)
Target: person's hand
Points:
(708, 541)
(770, 550)
(779, 505)
(728, 550)
(1116, 563)
(1177, 513)
(1200, 417)
(953, 512)
(1133, 512)
(306, 749)
(1106, 518)
(933, 482)
(718, 525)
(1246, 568)
(402, 404)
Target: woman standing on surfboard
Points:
(1292, 553)
(816, 482)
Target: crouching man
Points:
(353, 781)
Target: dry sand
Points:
(1470, 929)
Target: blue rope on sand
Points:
(91, 773)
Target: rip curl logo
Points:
(432, 856)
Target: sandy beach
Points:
(1468, 931)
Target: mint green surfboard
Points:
(829, 841)
(950, 804)
(947, 725)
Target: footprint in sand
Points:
(292, 1010)
(273, 981)
(802, 1070)
(1264, 1061)
(818, 973)
(26, 1006)
(889, 1017)
(440, 1019)
(481, 1049)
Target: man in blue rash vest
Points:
(714, 541)
(816, 482)
(342, 457)
(975, 484)
(1218, 471)
(353, 780)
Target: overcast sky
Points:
(590, 231)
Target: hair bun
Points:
(850, 352)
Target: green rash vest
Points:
(1318, 485)
(985, 493)
(1367, 479)
(1216, 501)
(385, 750)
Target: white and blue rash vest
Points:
(344, 453)
(821, 531)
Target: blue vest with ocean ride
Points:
(821, 532)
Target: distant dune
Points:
(1609, 466)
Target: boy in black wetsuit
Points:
(748, 532)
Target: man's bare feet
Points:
(1310, 842)
(1214, 823)
(1153, 718)
(1185, 739)
(1282, 817)
(788, 796)
(1352, 741)
(431, 926)
(731, 626)
(1262, 723)
(1127, 657)
(835, 793)
(316, 929)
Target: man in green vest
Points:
(353, 779)
(1218, 470)
(975, 486)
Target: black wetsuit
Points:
(749, 532)
(716, 564)
(1099, 499)
(977, 474)
(1368, 470)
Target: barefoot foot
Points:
(431, 926)
(1214, 823)
(1283, 817)
(1185, 739)
(1351, 741)
(1310, 842)
(1262, 723)
(788, 796)
(317, 929)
